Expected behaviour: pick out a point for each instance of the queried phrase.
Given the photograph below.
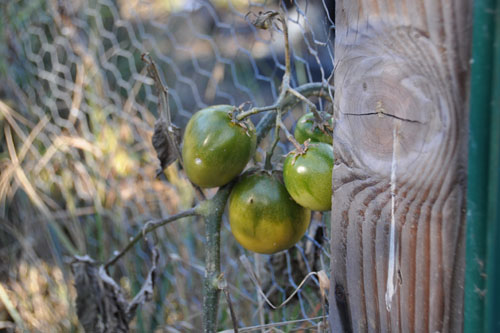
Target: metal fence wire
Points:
(78, 170)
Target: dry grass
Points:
(41, 298)
(89, 192)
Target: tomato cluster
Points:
(269, 211)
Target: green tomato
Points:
(215, 148)
(304, 130)
(263, 216)
(308, 177)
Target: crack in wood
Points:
(385, 114)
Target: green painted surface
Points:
(493, 254)
(481, 313)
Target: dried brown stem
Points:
(165, 120)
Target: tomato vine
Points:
(212, 209)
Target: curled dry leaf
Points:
(100, 302)
(264, 20)
(166, 137)
(166, 140)
(146, 292)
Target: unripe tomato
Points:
(263, 216)
(304, 130)
(215, 148)
(308, 177)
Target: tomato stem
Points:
(269, 154)
(287, 101)
(312, 106)
(282, 101)
(288, 68)
(299, 148)
(213, 221)
(148, 227)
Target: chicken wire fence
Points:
(79, 170)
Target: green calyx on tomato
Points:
(263, 216)
(216, 148)
(308, 128)
(308, 176)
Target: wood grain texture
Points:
(400, 143)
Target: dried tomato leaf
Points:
(100, 302)
(165, 144)
(146, 292)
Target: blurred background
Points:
(78, 170)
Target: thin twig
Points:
(223, 286)
(317, 89)
(287, 101)
(288, 67)
(264, 126)
(285, 86)
(274, 325)
(163, 105)
(148, 227)
(270, 152)
(312, 106)
(260, 300)
(288, 135)
(246, 264)
(253, 111)
(303, 99)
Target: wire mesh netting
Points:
(78, 170)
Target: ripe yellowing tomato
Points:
(263, 216)
(215, 148)
(304, 130)
(308, 177)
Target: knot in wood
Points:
(392, 89)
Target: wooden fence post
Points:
(399, 181)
